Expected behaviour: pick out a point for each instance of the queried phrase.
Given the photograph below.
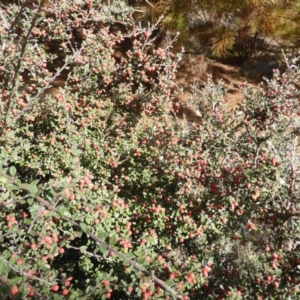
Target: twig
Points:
(34, 220)
(97, 285)
(24, 273)
(6, 23)
(256, 155)
(293, 175)
(66, 111)
(17, 68)
(123, 257)
(4, 281)
(149, 3)
(91, 254)
(98, 241)
(47, 85)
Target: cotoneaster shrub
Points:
(105, 194)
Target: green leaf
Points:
(3, 268)
(103, 249)
(6, 254)
(129, 255)
(29, 201)
(83, 227)
(14, 281)
(49, 195)
(88, 220)
(12, 171)
(22, 290)
(169, 283)
(27, 221)
(102, 235)
(214, 228)
(83, 249)
(47, 266)
(35, 182)
(12, 187)
(141, 260)
(211, 260)
(112, 240)
(18, 182)
(63, 212)
(39, 20)
(32, 189)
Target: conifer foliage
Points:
(241, 28)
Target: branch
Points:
(293, 172)
(4, 281)
(98, 241)
(47, 85)
(17, 68)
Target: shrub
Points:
(105, 194)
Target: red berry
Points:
(14, 290)
(105, 282)
(67, 283)
(55, 288)
(30, 294)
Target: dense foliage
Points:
(106, 194)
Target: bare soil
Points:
(193, 68)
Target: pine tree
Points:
(235, 27)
